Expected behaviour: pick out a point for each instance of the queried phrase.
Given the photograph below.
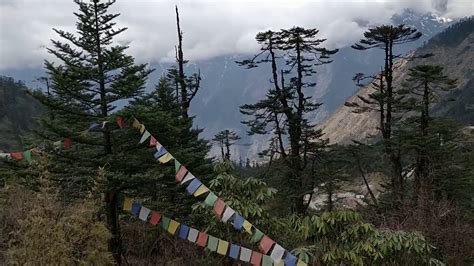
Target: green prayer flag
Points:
(212, 243)
(267, 261)
(165, 222)
(177, 165)
(27, 155)
(256, 236)
(210, 199)
(145, 136)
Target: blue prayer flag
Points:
(135, 208)
(290, 260)
(193, 186)
(161, 152)
(234, 251)
(238, 221)
(183, 231)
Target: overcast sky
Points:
(211, 28)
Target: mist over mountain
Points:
(226, 86)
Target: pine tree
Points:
(384, 100)
(225, 139)
(423, 87)
(289, 102)
(92, 77)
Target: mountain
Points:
(452, 49)
(18, 111)
(226, 86)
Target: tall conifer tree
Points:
(90, 77)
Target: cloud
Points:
(211, 28)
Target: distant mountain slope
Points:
(17, 113)
(452, 49)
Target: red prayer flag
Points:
(17, 155)
(120, 122)
(152, 141)
(155, 218)
(67, 143)
(202, 239)
(181, 173)
(265, 244)
(256, 258)
(219, 207)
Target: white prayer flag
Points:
(192, 235)
(245, 254)
(187, 178)
(144, 213)
(277, 253)
(228, 213)
(4, 155)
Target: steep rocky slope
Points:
(17, 113)
(452, 49)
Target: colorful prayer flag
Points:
(228, 213)
(183, 231)
(144, 211)
(212, 243)
(155, 218)
(181, 173)
(210, 199)
(247, 227)
(173, 226)
(222, 247)
(301, 263)
(84, 133)
(93, 126)
(193, 234)
(165, 158)
(67, 143)
(120, 121)
(267, 261)
(234, 251)
(256, 258)
(127, 204)
(290, 259)
(152, 142)
(27, 155)
(160, 153)
(202, 239)
(266, 244)
(165, 222)
(201, 190)
(136, 124)
(17, 156)
(256, 236)
(187, 178)
(145, 136)
(177, 165)
(277, 253)
(135, 208)
(142, 128)
(245, 254)
(238, 221)
(219, 207)
(193, 186)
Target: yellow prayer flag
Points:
(127, 204)
(222, 247)
(165, 158)
(201, 190)
(136, 124)
(84, 132)
(247, 226)
(281, 263)
(301, 263)
(173, 227)
(142, 128)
